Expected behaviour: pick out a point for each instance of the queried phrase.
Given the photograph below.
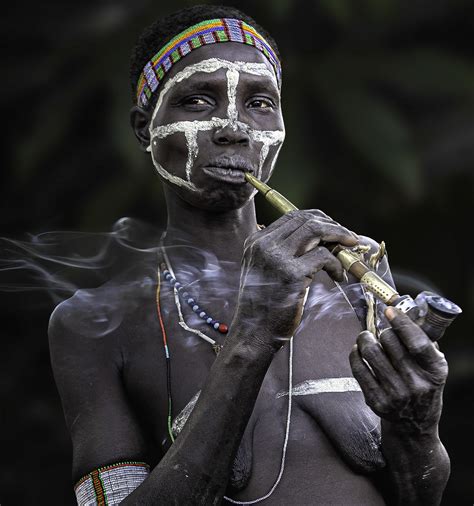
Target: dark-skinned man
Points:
(199, 394)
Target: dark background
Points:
(378, 98)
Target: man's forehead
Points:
(210, 66)
(200, 82)
(228, 52)
(215, 70)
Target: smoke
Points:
(93, 275)
(62, 262)
(100, 279)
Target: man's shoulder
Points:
(99, 312)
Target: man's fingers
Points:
(373, 394)
(312, 231)
(371, 351)
(319, 259)
(418, 344)
(399, 356)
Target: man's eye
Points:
(195, 102)
(261, 103)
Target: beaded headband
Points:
(206, 32)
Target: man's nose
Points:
(230, 135)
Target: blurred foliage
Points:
(378, 102)
(364, 73)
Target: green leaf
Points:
(427, 72)
(378, 133)
(339, 10)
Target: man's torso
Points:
(333, 443)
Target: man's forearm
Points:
(418, 466)
(196, 468)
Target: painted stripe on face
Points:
(191, 128)
(232, 82)
(321, 386)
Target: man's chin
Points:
(222, 199)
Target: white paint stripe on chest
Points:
(323, 385)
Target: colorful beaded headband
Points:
(206, 32)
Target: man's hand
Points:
(279, 264)
(402, 376)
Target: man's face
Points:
(218, 113)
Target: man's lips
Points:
(230, 169)
(227, 174)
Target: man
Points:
(195, 393)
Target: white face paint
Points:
(190, 129)
(232, 82)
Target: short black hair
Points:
(155, 36)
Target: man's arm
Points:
(278, 266)
(88, 373)
(105, 431)
(402, 378)
(196, 468)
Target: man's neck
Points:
(220, 234)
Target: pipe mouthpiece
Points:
(256, 183)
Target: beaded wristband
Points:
(110, 484)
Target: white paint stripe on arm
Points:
(323, 385)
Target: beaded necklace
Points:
(167, 272)
(221, 327)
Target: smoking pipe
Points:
(432, 312)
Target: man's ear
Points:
(140, 121)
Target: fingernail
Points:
(390, 313)
(368, 335)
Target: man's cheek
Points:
(171, 153)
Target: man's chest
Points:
(164, 373)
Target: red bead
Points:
(223, 328)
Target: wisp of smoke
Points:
(101, 277)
